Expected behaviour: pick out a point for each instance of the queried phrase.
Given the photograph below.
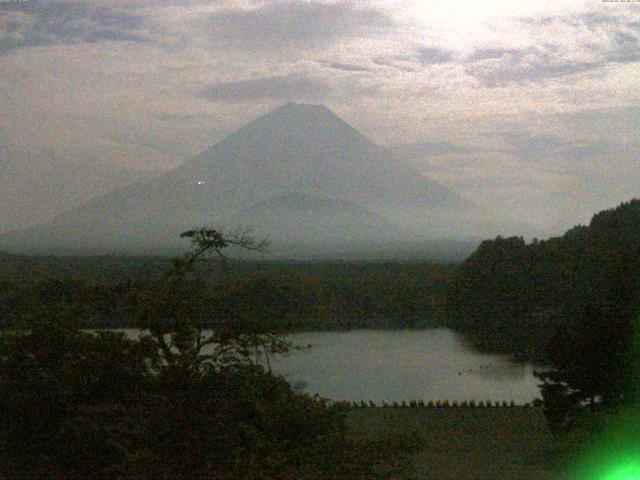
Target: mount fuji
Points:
(299, 175)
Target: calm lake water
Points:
(395, 365)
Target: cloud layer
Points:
(36, 23)
(283, 87)
(597, 41)
(285, 25)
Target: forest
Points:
(512, 297)
(105, 291)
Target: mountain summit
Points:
(299, 175)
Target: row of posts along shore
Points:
(438, 404)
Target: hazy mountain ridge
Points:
(351, 190)
(36, 185)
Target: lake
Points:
(396, 365)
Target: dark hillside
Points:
(510, 296)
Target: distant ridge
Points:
(299, 174)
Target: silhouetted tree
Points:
(595, 364)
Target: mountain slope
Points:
(35, 186)
(352, 189)
(300, 218)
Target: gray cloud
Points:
(346, 67)
(620, 123)
(421, 150)
(34, 23)
(619, 43)
(422, 56)
(433, 55)
(589, 19)
(530, 146)
(490, 53)
(509, 66)
(398, 62)
(293, 24)
(284, 87)
(627, 48)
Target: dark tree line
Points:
(298, 296)
(512, 297)
(571, 301)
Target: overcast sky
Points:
(532, 107)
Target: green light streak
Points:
(614, 452)
(630, 471)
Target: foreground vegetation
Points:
(463, 444)
(78, 405)
(574, 302)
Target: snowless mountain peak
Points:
(299, 175)
(303, 109)
(299, 121)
